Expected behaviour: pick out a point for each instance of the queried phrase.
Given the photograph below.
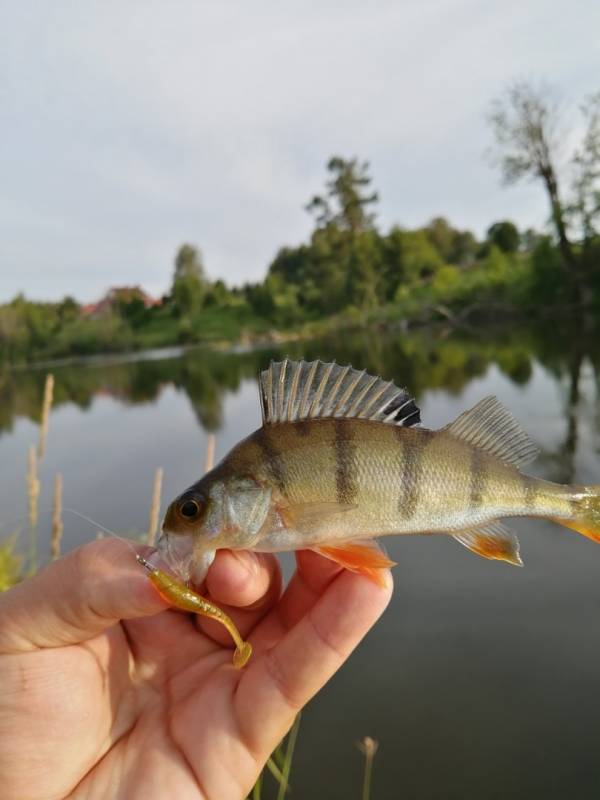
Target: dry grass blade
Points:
(155, 507)
(46, 406)
(33, 495)
(57, 523)
(209, 461)
(33, 486)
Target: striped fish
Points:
(341, 459)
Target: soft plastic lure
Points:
(181, 596)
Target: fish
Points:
(341, 459)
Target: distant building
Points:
(118, 294)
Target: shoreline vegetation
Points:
(351, 274)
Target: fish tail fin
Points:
(586, 512)
(366, 558)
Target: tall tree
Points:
(348, 199)
(525, 122)
(189, 280)
(504, 235)
(585, 206)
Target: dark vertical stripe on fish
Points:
(478, 479)
(303, 427)
(345, 462)
(274, 464)
(411, 462)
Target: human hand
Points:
(107, 694)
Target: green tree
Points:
(393, 272)
(420, 259)
(348, 199)
(342, 263)
(67, 310)
(464, 249)
(364, 269)
(189, 281)
(454, 246)
(504, 235)
(441, 235)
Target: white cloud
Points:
(131, 127)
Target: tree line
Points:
(352, 271)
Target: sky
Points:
(129, 127)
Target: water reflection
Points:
(421, 360)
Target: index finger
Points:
(77, 597)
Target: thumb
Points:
(77, 597)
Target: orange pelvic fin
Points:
(366, 558)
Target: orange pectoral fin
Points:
(365, 558)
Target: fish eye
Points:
(189, 509)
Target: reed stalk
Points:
(209, 460)
(46, 406)
(33, 486)
(368, 747)
(57, 523)
(155, 507)
(33, 495)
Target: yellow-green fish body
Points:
(341, 459)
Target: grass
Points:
(279, 765)
(11, 563)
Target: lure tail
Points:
(586, 512)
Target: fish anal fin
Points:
(492, 428)
(366, 558)
(291, 391)
(492, 541)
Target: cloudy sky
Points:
(129, 127)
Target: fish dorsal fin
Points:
(492, 428)
(291, 391)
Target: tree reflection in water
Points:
(422, 359)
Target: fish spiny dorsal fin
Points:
(492, 428)
(291, 391)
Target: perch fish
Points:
(341, 459)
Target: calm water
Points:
(481, 680)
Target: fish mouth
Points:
(177, 550)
